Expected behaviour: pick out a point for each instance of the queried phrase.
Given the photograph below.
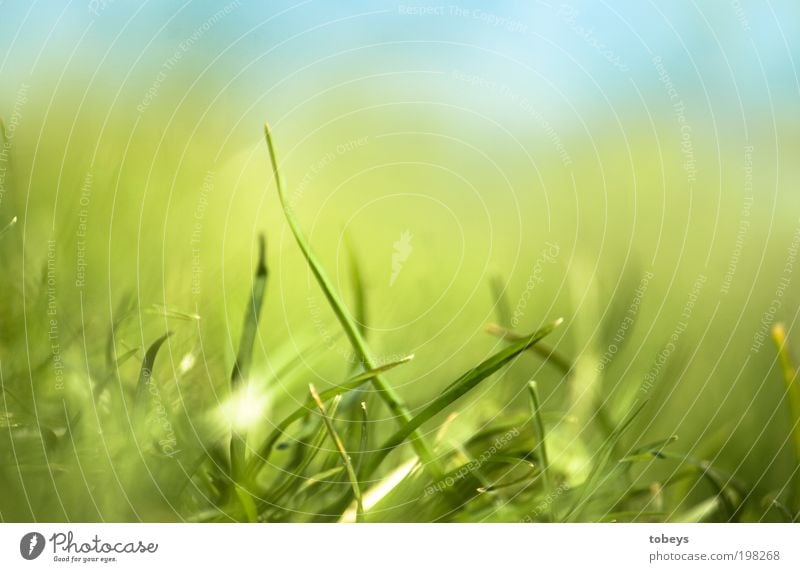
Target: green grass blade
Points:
(364, 440)
(502, 309)
(317, 479)
(307, 451)
(550, 355)
(244, 356)
(11, 224)
(456, 390)
(359, 291)
(145, 378)
(354, 382)
(542, 438)
(250, 328)
(790, 378)
(633, 516)
(162, 310)
(649, 451)
(699, 513)
(773, 502)
(382, 387)
(604, 454)
(334, 435)
(726, 489)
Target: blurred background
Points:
(631, 167)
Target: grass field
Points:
(403, 301)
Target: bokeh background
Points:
(630, 166)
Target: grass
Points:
(792, 396)
(541, 437)
(268, 445)
(334, 435)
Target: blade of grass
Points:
(604, 454)
(719, 482)
(501, 306)
(359, 291)
(632, 516)
(162, 310)
(251, 316)
(649, 451)
(8, 227)
(354, 399)
(699, 512)
(315, 480)
(334, 435)
(244, 356)
(456, 390)
(541, 436)
(792, 396)
(364, 440)
(308, 450)
(383, 388)
(354, 382)
(549, 354)
(145, 378)
(773, 502)
(499, 486)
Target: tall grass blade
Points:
(549, 354)
(502, 308)
(334, 435)
(244, 357)
(145, 378)
(382, 387)
(359, 291)
(792, 382)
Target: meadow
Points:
(392, 305)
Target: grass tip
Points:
(494, 329)
(779, 333)
(262, 254)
